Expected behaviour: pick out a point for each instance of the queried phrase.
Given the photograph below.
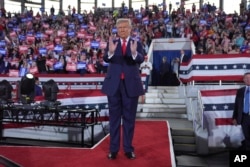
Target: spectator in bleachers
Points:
(239, 40)
(41, 64)
(4, 65)
(82, 63)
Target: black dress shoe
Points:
(112, 155)
(130, 155)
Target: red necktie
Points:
(123, 46)
(123, 53)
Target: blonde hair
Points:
(120, 20)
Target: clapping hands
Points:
(133, 47)
(113, 45)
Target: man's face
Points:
(124, 29)
(247, 79)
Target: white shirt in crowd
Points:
(146, 67)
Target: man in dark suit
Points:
(241, 110)
(165, 71)
(183, 57)
(123, 86)
(38, 89)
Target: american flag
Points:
(218, 108)
(230, 67)
(219, 104)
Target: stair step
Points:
(183, 139)
(162, 95)
(164, 110)
(182, 132)
(191, 148)
(156, 100)
(182, 124)
(160, 115)
(166, 102)
(163, 88)
(157, 105)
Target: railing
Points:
(53, 115)
(215, 69)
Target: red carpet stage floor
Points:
(152, 141)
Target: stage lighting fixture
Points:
(5, 92)
(27, 89)
(50, 90)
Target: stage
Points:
(152, 141)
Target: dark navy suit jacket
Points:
(124, 63)
(239, 105)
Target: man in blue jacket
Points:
(123, 86)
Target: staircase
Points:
(168, 103)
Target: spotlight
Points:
(50, 90)
(5, 91)
(27, 89)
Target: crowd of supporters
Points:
(71, 42)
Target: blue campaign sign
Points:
(2, 43)
(155, 21)
(139, 16)
(72, 25)
(58, 65)
(29, 33)
(24, 20)
(114, 30)
(29, 19)
(136, 10)
(81, 65)
(22, 37)
(242, 24)
(16, 29)
(247, 27)
(95, 44)
(136, 38)
(71, 33)
(84, 26)
(58, 48)
(145, 22)
(125, 10)
(166, 20)
(42, 9)
(14, 20)
(39, 35)
(203, 22)
(42, 50)
(10, 25)
(80, 16)
(2, 51)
